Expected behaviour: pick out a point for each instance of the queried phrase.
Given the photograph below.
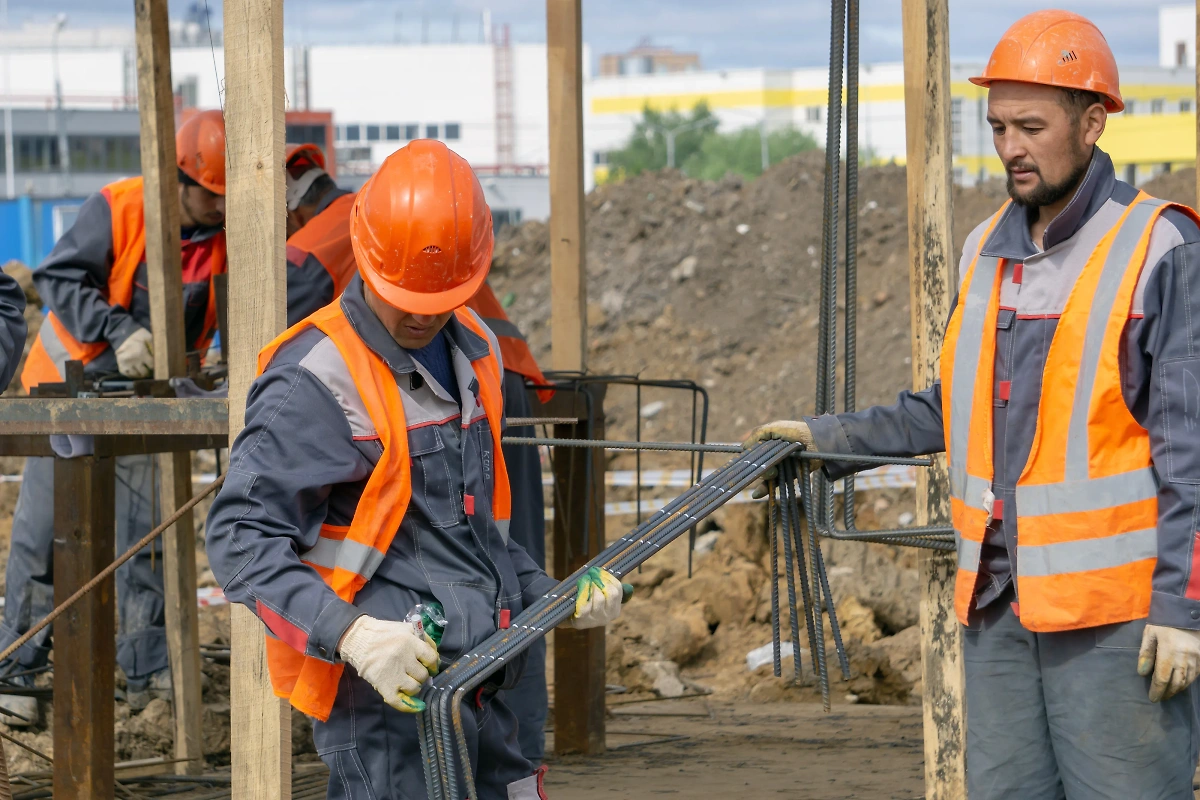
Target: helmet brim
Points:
(421, 302)
(1114, 105)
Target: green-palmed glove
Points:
(598, 599)
(394, 657)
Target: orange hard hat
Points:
(200, 150)
(422, 231)
(1056, 48)
(305, 155)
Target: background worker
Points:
(528, 699)
(369, 480)
(1067, 408)
(94, 284)
(320, 258)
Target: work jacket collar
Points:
(327, 199)
(1010, 239)
(376, 336)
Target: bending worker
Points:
(369, 480)
(320, 259)
(12, 328)
(94, 283)
(528, 699)
(1067, 408)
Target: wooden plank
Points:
(933, 279)
(85, 636)
(156, 108)
(568, 262)
(254, 125)
(146, 416)
(579, 537)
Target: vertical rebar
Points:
(851, 253)
(772, 511)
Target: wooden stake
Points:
(256, 231)
(568, 264)
(156, 106)
(933, 279)
(84, 636)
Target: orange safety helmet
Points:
(422, 231)
(305, 155)
(200, 150)
(1056, 48)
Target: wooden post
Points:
(156, 108)
(256, 231)
(568, 273)
(85, 636)
(933, 280)
(579, 683)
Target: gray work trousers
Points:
(373, 752)
(29, 575)
(1065, 715)
(528, 699)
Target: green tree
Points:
(700, 151)
(741, 152)
(647, 146)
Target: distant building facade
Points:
(646, 59)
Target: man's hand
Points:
(787, 430)
(598, 599)
(1173, 655)
(391, 656)
(135, 355)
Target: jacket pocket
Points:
(433, 485)
(1179, 395)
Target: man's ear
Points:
(1093, 122)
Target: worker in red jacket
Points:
(319, 256)
(95, 287)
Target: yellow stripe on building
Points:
(793, 98)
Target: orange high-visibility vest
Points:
(55, 345)
(1086, 500)
(357, 550)
(327, 237)
(514, 348)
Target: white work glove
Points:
(394, 657)
(1173, 654)
(135, 356)
(789, 431)
(598, 599)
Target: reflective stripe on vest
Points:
(1086, 501)
(347, 557)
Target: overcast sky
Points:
(747, 33)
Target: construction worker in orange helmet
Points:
(94, 286)
(1066, 409)
(367, 520)
(320, 257)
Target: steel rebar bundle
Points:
(444, 746)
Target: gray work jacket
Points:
(303, 460)
(1160, 368)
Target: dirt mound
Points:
(719, 282)
(1178, 187)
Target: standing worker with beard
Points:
(94, 285)
(1068, 408)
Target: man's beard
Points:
(1047, 194)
